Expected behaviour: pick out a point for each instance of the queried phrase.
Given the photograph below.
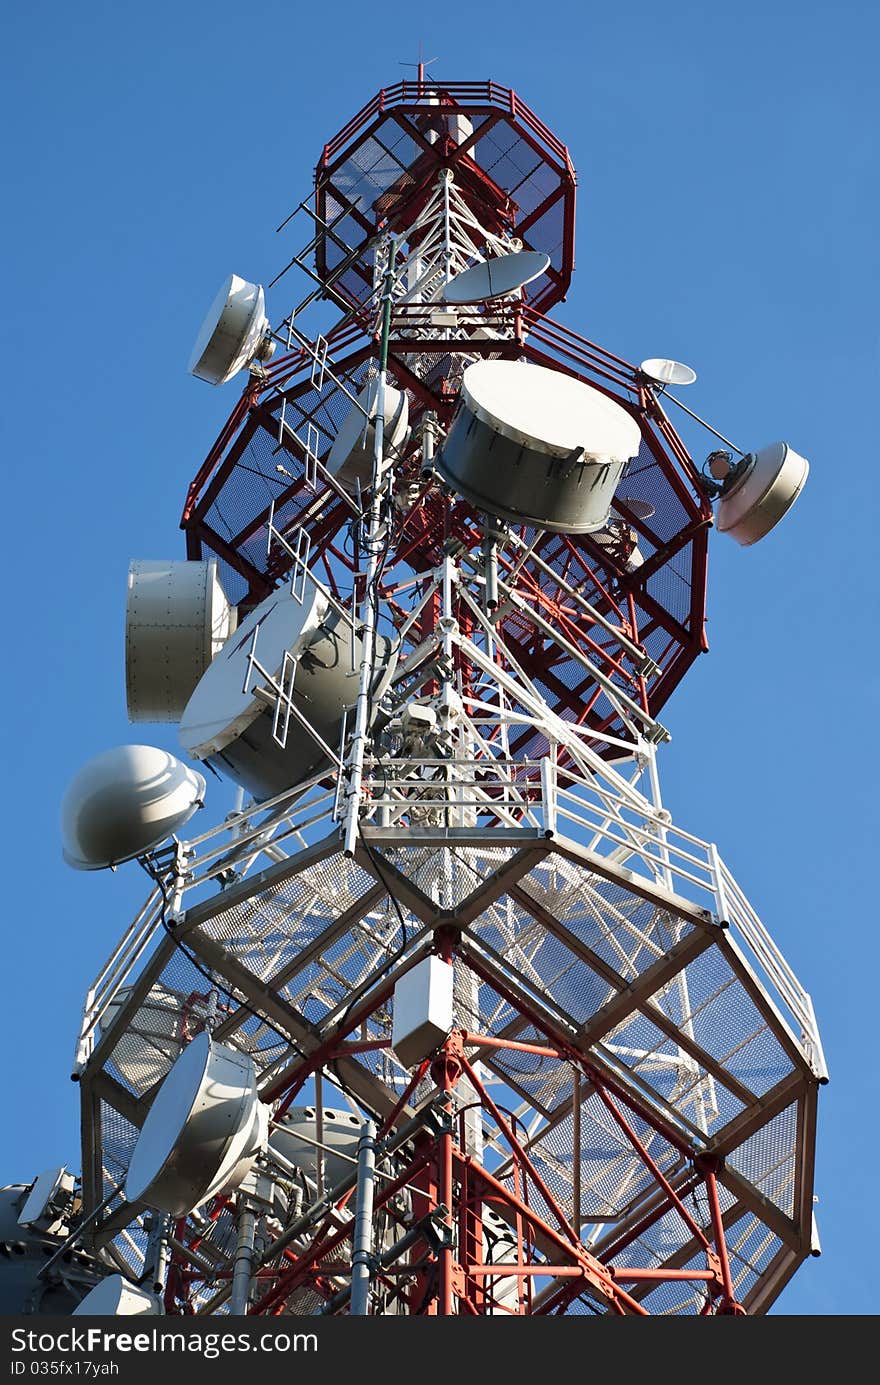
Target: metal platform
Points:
(631, 952)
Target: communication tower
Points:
(447, 1016)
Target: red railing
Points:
(465, 96)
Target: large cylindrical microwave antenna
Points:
(177, 618)
(536, 446)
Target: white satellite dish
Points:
(125, 802)
(664, 372)
(202, 1133)
(50, 1196)
(177, 617)
(496, 277)
(766, 489)
(232, 332)
(351, 457)
(537, 446)
(639, 509)
(232, 729)
(295, 1138)
(117, 1297)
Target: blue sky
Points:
(727, 216)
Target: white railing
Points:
(255, 837)
(623, 829)
(612, 820)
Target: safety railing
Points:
(463, 95)
(610, 819)
(253, 838)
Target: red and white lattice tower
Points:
(617, 1112)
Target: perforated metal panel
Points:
(688, 1034)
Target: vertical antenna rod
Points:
(368, 636)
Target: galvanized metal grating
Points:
(118, 1138)
(677, 1299)
(672, 1072)
(172, 1010)
(513, 164)
(611, 1173)
(613, 1176)
(626, 932)
(726, 1022)
(448, 875)
(541, 960)
(751, 1246)
(348, 962)
(291, 912)
(768, 1159)
(373, 166)
(544, 1082)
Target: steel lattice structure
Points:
(623, 1117)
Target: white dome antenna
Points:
(125, 802)
(234, 332)
(758, 492)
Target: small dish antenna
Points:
(49, 1198)
(350, 458)
(125, 802)
(203, 1131)
(639, 509)
(234, 332)
(664, 372)
(496, 278)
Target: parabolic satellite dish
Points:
(202, 1133)
(664, 372)
(117, 1297)
(351, 456)
(232, 332)
(766, 489)
(123, 803)
(639, 509)
(496, 277)
(232, 729)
